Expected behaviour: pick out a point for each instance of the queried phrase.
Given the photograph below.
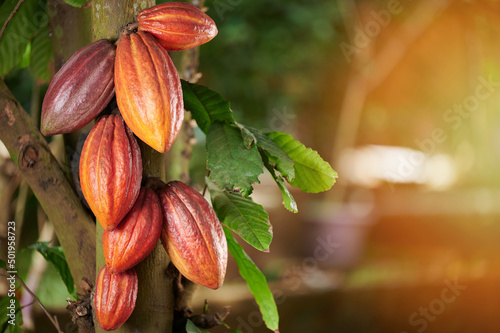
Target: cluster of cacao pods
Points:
(149, 97)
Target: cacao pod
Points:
(110, 170)
(115, 296)
(177, 25)
(80, 90)
(148, 90)
(192, 235)
(136, 235)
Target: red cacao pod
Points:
(192, 235)
(80, 90)
(115, 296)
(110, 170)
(177, 25)
(148, 90)
(136, 235)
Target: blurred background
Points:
(402, 98)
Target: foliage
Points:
(5, 326)
(237, 154)
(30, 20)
(55, 255)
(236, 157)
(256, 282)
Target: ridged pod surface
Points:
(110, 170)
(136, 235)
(148, 90)
(177, 25)
(115, 296)
(80, 90)
(192, 235)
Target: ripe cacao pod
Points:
(177, 25)
(110, 170)
(115, 296)
(80, 90)
(136, 235)
(192, 235)
(148, 90)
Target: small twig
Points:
(26, 305)
(52, 319)
(10, 17)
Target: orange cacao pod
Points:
(80, 90)
(177, 25)
(110, 170)
(148, 90)
(115, 296)
(136, 235)
(192, 235)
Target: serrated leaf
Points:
(242, 215)
(247, 135)
(19, 30)
(55, 255)
(205, 105)
(278, 158)
(232, 165)
(42, 55)
(256, 282)
(312, 173)
(76, 3)
(192, 328)
(5, 311)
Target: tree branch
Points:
(29, 150)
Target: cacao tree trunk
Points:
(155, 301)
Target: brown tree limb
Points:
(29, 150)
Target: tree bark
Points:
(29, 150)
(155, 300)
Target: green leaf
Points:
(3, 264)
(5, 312)
(242, 215)
(288, 200)
(233, 166)
(278, 158)
(76, 3)
(205, 105)
(26, 21)
(42, 55)
(192, 328)
(25, 59)
(256, 282)
(312, 173)
(247, 135)
(55, 255)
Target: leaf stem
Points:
(10, 17)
